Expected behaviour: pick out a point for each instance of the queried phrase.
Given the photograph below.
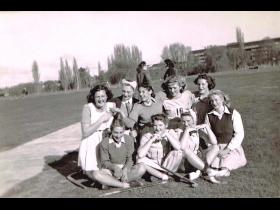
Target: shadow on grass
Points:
(68, 165)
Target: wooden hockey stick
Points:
(193, 184)
(121, 190)
(76, 182)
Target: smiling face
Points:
(127, 92)
(159, 126)
(202, 86)
(117, 133)
(216, 101)
(145, 94)
(188, 121)
(174, 89)
(100, 99)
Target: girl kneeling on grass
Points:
(155, 147)
(116, 159)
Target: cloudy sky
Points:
(91, 36)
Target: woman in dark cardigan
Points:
(226, 124)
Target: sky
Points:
(90, 37)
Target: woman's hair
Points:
(90, 96)
(140, 66)
(210, 80)
(148, 87)
(117, 122)
(222, 95)
(169, 63)
(172, 79)
(161, 117)
(190, 113)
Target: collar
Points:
(111, 140)
(226, 110)
(130, 101)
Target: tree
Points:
(85, 77)
(69, 75)
(76, 74)
(217, 59)
(124, 60)
(36, 75)
(179, 53)
(63, 77)
(242, 53)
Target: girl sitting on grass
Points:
(116, 159)
(155, 146)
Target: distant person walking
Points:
(143, 76)
(170, 69)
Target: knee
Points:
(96, 175)
(141, 168)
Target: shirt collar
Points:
(226, 110)
(130, 101)
(111, 140)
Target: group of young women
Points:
(124, 137)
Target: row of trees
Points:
(124, 60)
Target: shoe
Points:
(194, 175)
(155, 179)
(135, 183)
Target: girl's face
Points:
(159, 126)
(216, 101)
(117, 133)
(127, 92)
(202, 86)
(100, 98)
(188, 121)
(174, 89)
(145, 94)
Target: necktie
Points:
(128, 107)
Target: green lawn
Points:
(255, 94)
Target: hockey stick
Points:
(76, 182)
(193, 184)
(121, 190)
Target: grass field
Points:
(254, 94)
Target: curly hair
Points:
(148, 87)
(222, 95)
(210, 80)
(90, 96)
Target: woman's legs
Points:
(106, 179)
(193, 159)
(136, 172)
(156, 173)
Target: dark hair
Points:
(169, 63)
(142, 64)
(148, 87)
(161, 117)
(90, 96)
(210, 80)
(117, 122)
